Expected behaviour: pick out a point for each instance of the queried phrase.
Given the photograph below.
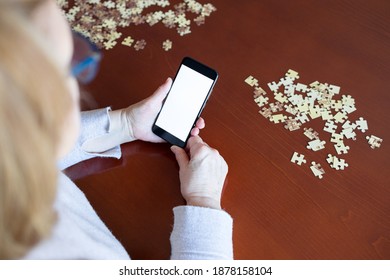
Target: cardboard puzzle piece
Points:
(326, 104)
(302, 117)
(292, 124)
(167, 45)
(336, 105)
(291, 109)
(336, 163)
(339, 164)
(340, 117)
(348, 100)
(316, 145)
(261, 100)
(314, 112)
(278, 118)
(314, 95)
(258, 91)
(292, 74)
(280, 97)
(330, 127)
(301, 87)
(128, 41)
(362, 125)
(140, 45)
(289, 89)
(250, 80)
(286, 81)
(303, 107)
(273, 86)
(317, 169)
(336, 138)
(341, 148)
(266, 112)
(334, 89)
(326, 115)
(315, 84)
(276, 107)
(329, 159)
(348, 109)
(295, 99)
(311, 133)
(349, 133)
(374, 141)
(348, 130)
(298, 158)
(348, 124)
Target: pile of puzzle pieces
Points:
(100, 20)
(295, 105)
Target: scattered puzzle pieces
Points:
(297, 104)
(298, 158)
(100, 20)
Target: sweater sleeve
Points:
(201, 233)
(95, 124)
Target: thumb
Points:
(181, 156)
(162, 91)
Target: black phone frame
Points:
(202, 69)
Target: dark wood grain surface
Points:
(280, 210)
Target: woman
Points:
(43, 215)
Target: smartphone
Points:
(185, 101)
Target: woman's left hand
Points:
(141, 116)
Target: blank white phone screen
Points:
(183, 103)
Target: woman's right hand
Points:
(202, 173)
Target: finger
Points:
(195, 131)
(193, 141)
(195, 144)
(200, 123)
(162, 91)
(181, 156)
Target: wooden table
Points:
(280, 210)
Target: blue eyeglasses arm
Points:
(80, 67)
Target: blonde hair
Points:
(34, 104)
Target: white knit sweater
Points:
(198, 233)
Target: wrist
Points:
(204, 202)
(121, 125)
